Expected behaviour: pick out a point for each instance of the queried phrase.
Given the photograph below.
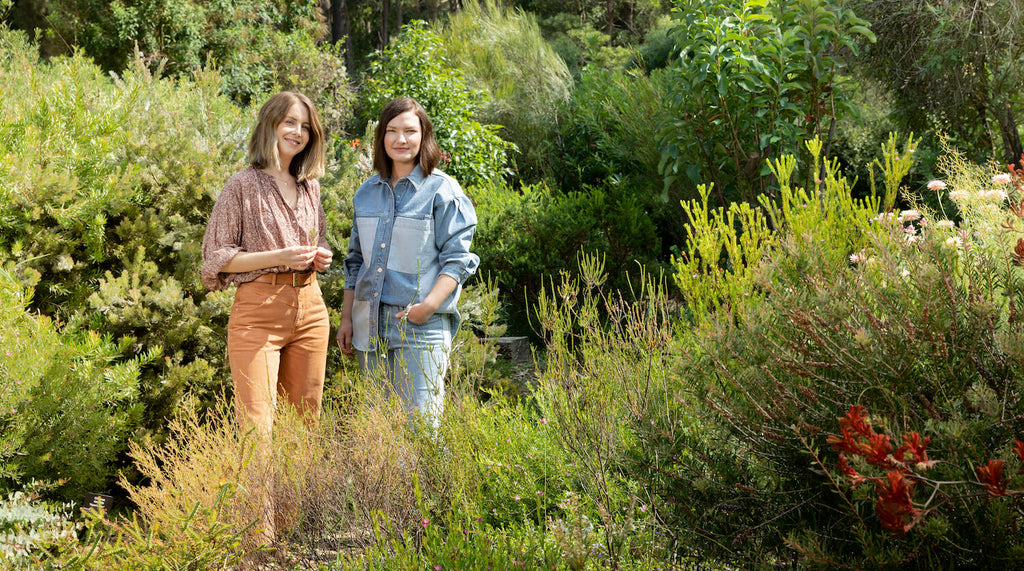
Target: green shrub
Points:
(414, 65)
(582, 45)
(604, 137)
(606, 358)
(458, 542)
(526, 236)
(67, 401)
(752, 84)
(258, 46)
(106, 217)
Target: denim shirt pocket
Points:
(367, 226)
(412, 246)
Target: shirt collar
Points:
(416, 177)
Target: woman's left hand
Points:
(418, 313)
(323, 258)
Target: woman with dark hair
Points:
(408, 257)
(266, 235)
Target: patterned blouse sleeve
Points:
(223, 237)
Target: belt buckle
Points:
(294, 277)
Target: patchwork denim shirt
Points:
(402, 239)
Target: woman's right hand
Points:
(298, 258)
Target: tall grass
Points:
(501, 50)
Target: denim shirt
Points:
(403, 239)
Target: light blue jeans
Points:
(411, 360)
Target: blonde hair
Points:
(311, 161)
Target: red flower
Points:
(893, 505)
(877, 451)
(991, 475)
(1018, 449)
(354, 144)
(858, 438)
(917, 447)
(844, 466)
(857, 420)
(853, 427)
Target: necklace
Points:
(285, 182)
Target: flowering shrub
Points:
(904, 468)
(909, 314)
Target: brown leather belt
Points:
(294, 279)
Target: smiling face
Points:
(402, 142)
(292, 133)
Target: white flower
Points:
(936, 185)
(1001, 178)
(945, 224)
(956, 195)
(993, 195)
(909, 215)
(953, 242)
(857, 257)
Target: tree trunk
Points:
(1012, 150)
(341, 27)
(609, 16)
(398, 17)
(384, 31)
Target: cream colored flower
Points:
(1001, 178)
(936, 185)
(993, 195)
(909, 215)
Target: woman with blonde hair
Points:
(266, 236)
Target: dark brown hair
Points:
(430, 152)
(311, 161)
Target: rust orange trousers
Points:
(277, 347)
